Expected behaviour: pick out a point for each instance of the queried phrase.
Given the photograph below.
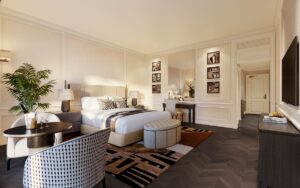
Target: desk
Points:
(39, 137)
(190, 107)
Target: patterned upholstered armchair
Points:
(76, 163)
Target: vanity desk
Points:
(172, 105)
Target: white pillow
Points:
(91, 103)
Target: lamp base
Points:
(134, 101)
(65, 106)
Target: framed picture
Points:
(213, 87)
(156, 88)
(156, 77)
(213, 72)
(213, 57)
(156, 66)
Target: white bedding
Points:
(126, 124)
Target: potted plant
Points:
(27, 86)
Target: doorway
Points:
(257, 93)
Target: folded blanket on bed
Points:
(110, 120)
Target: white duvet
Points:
(126, 124)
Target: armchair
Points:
(76, 163)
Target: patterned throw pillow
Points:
(106, 104)
(121, 103)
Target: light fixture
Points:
(134, 96)
(5, 56)
(66, 95)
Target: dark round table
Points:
(42, 136)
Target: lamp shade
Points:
(5, 56)
(133, 94)
(66, 94)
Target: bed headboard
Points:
(81, 90)
(95, 90)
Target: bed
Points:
(127, 127)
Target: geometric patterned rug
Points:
(139, 166)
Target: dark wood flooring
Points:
(228, 159)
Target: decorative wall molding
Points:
(48, 46)
(6, 12)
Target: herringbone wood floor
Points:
(228, 159)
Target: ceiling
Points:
(150, 26)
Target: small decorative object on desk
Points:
(275, 117)
(30, 120)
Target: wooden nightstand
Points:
(72, 117)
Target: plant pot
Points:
(30, 120)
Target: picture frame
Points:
(213, 87)
(213, 57)
(156, 77)
(156, 88)
(213, 72)
(156, 66)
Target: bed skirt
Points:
(116, 139)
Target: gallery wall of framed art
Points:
(213, 72)
(156, 77)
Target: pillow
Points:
(121, 103)
(91, 103)
(105, 104)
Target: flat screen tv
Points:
(290, 74)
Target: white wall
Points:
(223, 109)
(216, 109)
(71, 57)
(156, 99)
(287, 28)
(174, 77)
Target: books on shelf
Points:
(270, 119)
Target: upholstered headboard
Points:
(94, 90)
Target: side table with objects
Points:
(23, 142)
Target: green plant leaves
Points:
(27, 86)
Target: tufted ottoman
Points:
(162, 133)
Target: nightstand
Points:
(71, 117)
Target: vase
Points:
(192, 94)
(30, 120)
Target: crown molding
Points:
(214, 42)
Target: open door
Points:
(257, 93)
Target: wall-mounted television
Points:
(290, 74)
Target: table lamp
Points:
(66, 95)
(134, 96)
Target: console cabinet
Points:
(279, 156)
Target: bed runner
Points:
(111, 120)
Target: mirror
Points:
(181, 75)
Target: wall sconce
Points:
(5, 56)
